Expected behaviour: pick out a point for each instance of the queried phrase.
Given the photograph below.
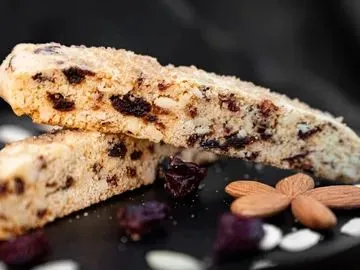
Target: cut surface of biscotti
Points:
(117, 91)
(50, 176)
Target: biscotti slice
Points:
(117, 91)
(50, 176)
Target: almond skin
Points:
(241, 188)
(341, 196)
(260, 204)
(295, 184)
(312, 213)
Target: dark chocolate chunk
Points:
(76, 75)
(264, 133)
(19, 185)
(112, 180)
(136, 155)
(60, 103)
(39, 77)
(131, 171)
(51, 184)
(50, 49)
(69, 182)
(118, 150)
(131, 105)
(43, 164)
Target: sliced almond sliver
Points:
(295, 184)
(342, 196)
(312, 213)
(260, 204)
(241, 188)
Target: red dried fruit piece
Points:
(237, 234)
(182, 178)
(140, 220)
(24, 249)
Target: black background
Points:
(306, 49)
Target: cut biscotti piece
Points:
(47, 177)
(117, 91)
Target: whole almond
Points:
(295, 184)
(242, 187)
(340, 196)
(312, 213)
(260, 204)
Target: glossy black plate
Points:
(91, 237)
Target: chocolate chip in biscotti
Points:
(251, 156)
(112, 180)
(39, 77)
(151, 149)
(19, 186)
(130, 105)
(60, 103)
(118, 150)
(136, 155)
(76, 75)
(131, 171)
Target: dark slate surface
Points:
(94, 241)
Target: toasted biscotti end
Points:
(50, 176)
(117, 91)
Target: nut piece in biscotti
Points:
(50, 176)
(117, 91)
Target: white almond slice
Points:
(352, 227)
(262, 264)
(300, 240)
(2, 266)
(58, 265)
(171, 260)
(11, 133)
(272, 237)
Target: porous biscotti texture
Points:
(50, 176)
(117, 91)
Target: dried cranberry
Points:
(24, 249)
(182, 178)
(237, 234)
(141, 220)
